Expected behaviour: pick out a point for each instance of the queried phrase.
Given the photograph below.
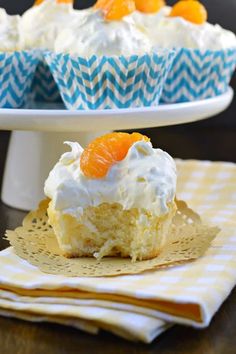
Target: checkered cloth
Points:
(139, 307)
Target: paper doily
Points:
(35, 242)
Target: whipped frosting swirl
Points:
(147, 21)
(145, 179)
(42, 23)
(177, 32)
(95, 35)
(9, 32)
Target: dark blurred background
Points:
(213, 139)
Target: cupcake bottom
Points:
(198, 75)
(108, 230)
(16, 75)
(44, 87)
(110, 82)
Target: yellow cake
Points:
(124, 209)
(108, 230)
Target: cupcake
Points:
(17, 67)
(106, 62)
(115, 198)
(39, 27)
(206, 53)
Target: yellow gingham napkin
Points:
(139, 306)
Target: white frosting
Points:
(145, 179)
(57, 26)
(177, 32)
(98, 36)
(147, 22)
(42, 23)
(9, 32)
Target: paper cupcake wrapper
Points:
(44, 87)
(16, 75)
(110, 82)
(197, 75)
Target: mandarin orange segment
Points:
(191, 10)
(105, 151)
(38, 2)
(149, 6)
(119, 9)
(65, 1)
(115, 9)
(137, 137)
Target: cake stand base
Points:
(30, 158)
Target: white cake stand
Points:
(39, 133)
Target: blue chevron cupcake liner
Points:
(16, 75)
(197, 75)
(44, 87)
(110, 82)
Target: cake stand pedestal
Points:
(39, 132)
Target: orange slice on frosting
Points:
(149, 6)
(115, 9)
(38, 2)
(105, 151)
(191, 10)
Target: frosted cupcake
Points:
(105, 62)
(39, 28)
(17, 66)
(206, 54)
(115, 198)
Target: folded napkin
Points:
(139, 307)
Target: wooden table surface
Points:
(16, 337)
